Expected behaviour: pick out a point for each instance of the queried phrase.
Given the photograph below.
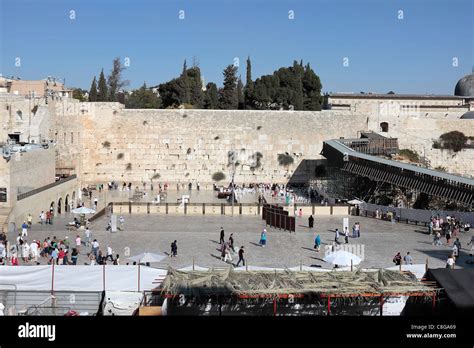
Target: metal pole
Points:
(233, 174)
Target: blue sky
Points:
(410, 55)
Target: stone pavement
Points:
(198, 238)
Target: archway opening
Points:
(60, 202)
(66, 204)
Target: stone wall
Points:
(42, 201)
(26, 171)
(419, 133)
(184, 145)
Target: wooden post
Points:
(381, 305)
(52, 280)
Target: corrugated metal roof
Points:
(345, 149)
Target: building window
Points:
(384, 127)
(3, 194)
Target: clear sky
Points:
(410, 55)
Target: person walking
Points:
(88, 234)
(346, 235)
(311, 221)
(227, 255)
(78, 244)
(450, 262)
(448, 237)
(24, 229)
(231, 242)
(317, 243)
(336, 237)
(122, 222)
(174, 249)
(241, 257)
(110, 254)
(29, 220)
(42, 218)
(95, 248)
(408, 259)
(222, 235)
(74, 255)
(263, 238)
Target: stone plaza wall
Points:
(190, 145)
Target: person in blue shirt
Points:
(263, 238)
(317, 242)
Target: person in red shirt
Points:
(61, 257)
(14, 260)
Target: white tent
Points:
(82, 278)
(147, 257)
(83, 210)
(342, 258)
(355, 201)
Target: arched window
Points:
(384, 126)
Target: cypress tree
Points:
(240, 94)
(93, 91)
(114, 81)
(184, 77)
(103, 95)
(249, 87)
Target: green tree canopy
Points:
(211, 96)
(143, 98)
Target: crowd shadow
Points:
(256, 244)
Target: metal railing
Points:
(44, 188)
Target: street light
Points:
(232, 158)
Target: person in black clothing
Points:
(397, 259)
(311, 221)
(222, 236)
(231, 242)
(241, 257)
(174, 249)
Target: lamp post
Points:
(232, 155)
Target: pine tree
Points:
(311, 90)
(102, 95)
(240, 94)
(228, 99)
(211, 96)
(114, 80)
(93, 91)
